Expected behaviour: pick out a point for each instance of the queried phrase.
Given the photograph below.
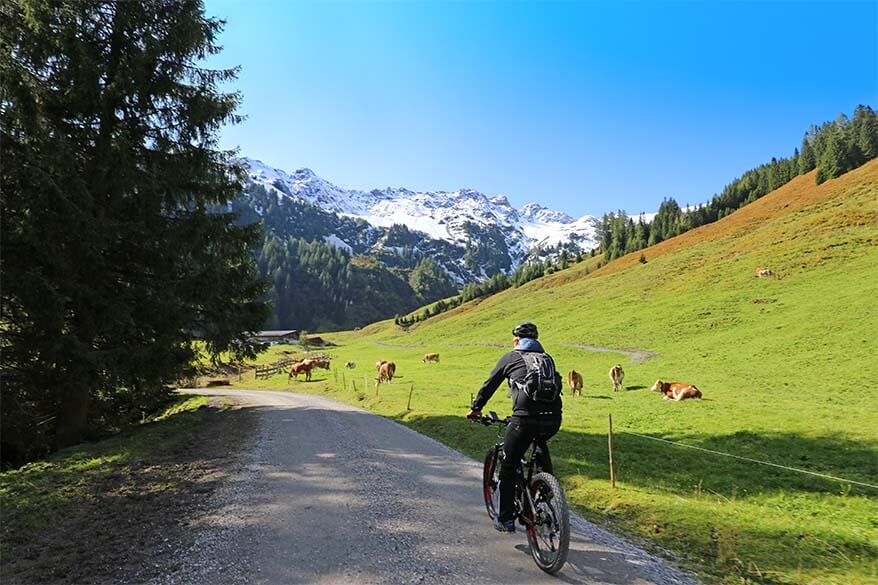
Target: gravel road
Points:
(333, 494)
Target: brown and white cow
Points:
(386, 372)
(303, 367)
(320, 363)
(574, 381)
(676, 391)
(431, 357)
(380, 363)
(617, 374)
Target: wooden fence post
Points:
(610, 445)
(408, 406)
(354, 385)
(344, 383)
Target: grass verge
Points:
(103, 511)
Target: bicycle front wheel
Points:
(549, 534)
(491, 481)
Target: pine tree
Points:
(867, 132)
(807, 158)
(115, 252)
(639, 237)
(429, 281)
(832, 162)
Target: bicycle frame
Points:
(540, 502)
(522, 480)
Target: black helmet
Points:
(526, 329)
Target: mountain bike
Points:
(540, 503)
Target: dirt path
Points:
(333, 494)
(637, 356)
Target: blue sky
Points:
(584, 107)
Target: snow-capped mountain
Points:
(462, 220)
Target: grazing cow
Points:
(617, 374)
(303, 367)
(764, 272)
(431, 357)
(574, 381)
(350, 365)
(380, 363)
(676, 390)
(386, 372)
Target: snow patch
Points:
(337, 242)
(441, 215)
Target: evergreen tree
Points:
(832, 162)
(639, 237)
(807, 158)
(114, 257)
(429, 281)
(866, 132)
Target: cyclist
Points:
(533, 416)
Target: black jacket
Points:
(512, 368)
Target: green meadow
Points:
(787, 365)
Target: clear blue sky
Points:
(585, 107)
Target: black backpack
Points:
(541, 383)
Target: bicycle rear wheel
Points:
(491, 481)
(549, 535)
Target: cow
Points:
(676, 391)
(431, 357)
(617, 374)
(320, 363)
(574, 380)
(380, 363)
(350, 365)
(303, 367)
(764, 272)
(386, 373)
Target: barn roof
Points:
(277, 333)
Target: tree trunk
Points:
(72, 416)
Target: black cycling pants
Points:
(521, 431)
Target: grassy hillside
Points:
(787, 365)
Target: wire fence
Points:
(751, 460)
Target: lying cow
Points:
(386, 373)
(350, 365)
(574, 381)
(617, 374)
(676, 390)
(319, 363)
(431, 357)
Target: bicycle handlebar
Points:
(492, 419)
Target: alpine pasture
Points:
(786, 363)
